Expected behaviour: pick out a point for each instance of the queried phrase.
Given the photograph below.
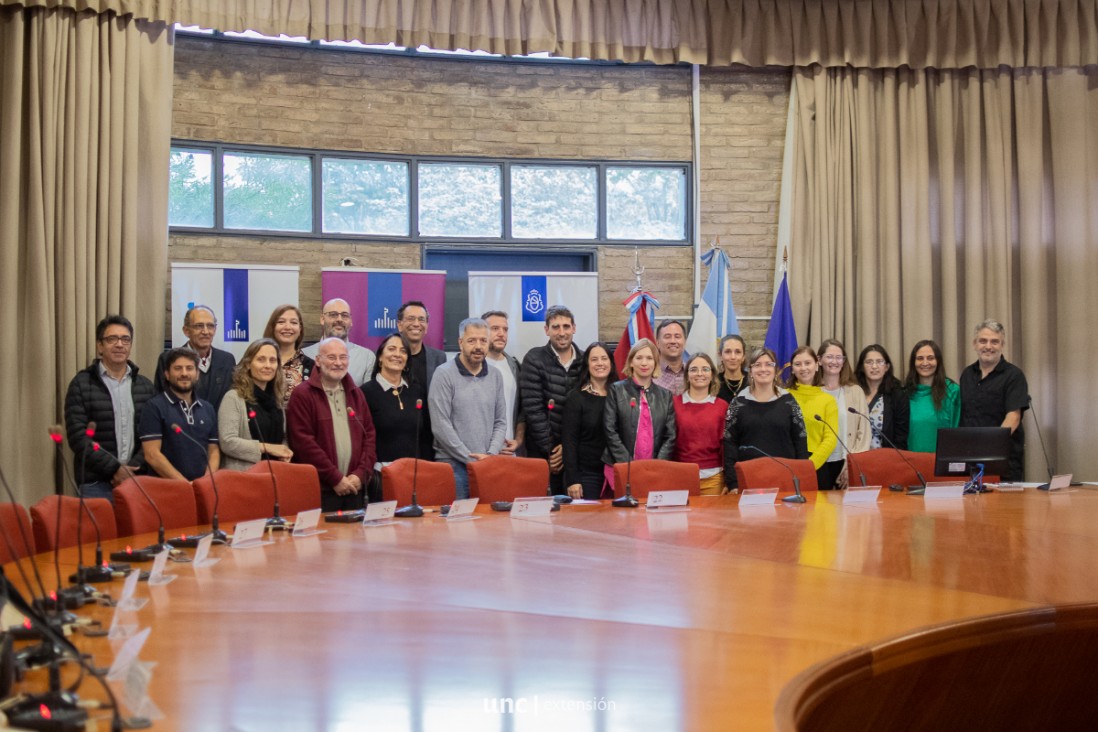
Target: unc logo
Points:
(534, 303)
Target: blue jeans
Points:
(98, 489)
(461, 477)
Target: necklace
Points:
(396, 392)
(734, 386)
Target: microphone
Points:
(820, 419)
(414, 510)
(29, 552)
(892, 444)
(797, 496)
(219, 536)
(144, 555)
(1048, 463)
(354, 416)
(276, 521)
(627, 501)
(73, 596)
(558, 499)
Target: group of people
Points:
(348, 411)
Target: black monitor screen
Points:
(960, 448)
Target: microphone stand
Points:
(219, 536)
(275, 522)
(557, 499)
(160, 544)
(820, 419)
(414, 510)
(76, 595)
(1048, 463)
(892, 444)
(627, 500)
(797, 496)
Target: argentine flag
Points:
(715, 317)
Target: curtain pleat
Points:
(927, 201)
(870, 34)
(84, 139)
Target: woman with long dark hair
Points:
(583, 435)
(887, 405)
(732, 367)
(251, 421)
(391, 394)
(286, 328)
(935, 399)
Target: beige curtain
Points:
(926, 201)
(85, 109)
(861, 33)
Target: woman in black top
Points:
(391, 394)
(582, 432)
(887, 405)
(732, 367)
(763, 416)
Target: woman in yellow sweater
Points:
(819, 408)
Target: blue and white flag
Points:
(715, 317)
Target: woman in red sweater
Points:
(699, 417)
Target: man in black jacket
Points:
(547, 374)
(215, 367)
(111, 394)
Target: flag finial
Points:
(638, 270)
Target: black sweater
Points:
(775, 427)
(395, 428)
(584, 439)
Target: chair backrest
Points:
(244, 496)
(45, 513)
(884, 467)
(501, 478)
(434, 482)
(298, 485)
(174, 499)
(656, 475)
(766, 473)
(16, 524)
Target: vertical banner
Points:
(526, 297)
(375, 296)
(242, 296)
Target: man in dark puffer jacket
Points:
(111, 394)
(548, 373)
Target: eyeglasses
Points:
(875, 362)
(414, 319)
(331, 358)
(763, 365)
(204, 326)
(699, 370)
(336, 315)
(833, 359)
(113, 339)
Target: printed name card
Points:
(861, 494)
(249, 534)
(1059, 482)
(533, 507)
(953, 489)
(379, 514)
(758, 497)
(202, 556)
(306, 523)
(462, 509)
(668, 500)
(156, 574)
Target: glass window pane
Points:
(268, 192)
(190, 188)
(365, 197)
(554, 202)
(460, 200)
(646, 203)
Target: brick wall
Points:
(305, 97)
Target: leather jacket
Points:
(620, 421)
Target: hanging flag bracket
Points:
(638, 271)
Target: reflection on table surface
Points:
(594, 619)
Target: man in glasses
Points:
(215, 366)
(329, 427)
(111, 394)
(188, 452)
(422, 359)
(335, 322)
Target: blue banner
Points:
(781, 334)
(384, 291)
(235, 313)
(534, 298)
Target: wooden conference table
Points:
(595, 619)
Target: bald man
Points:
(215, 367)
(335, 320)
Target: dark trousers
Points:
(828, 475)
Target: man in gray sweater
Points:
(468, 407)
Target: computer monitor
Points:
(961, 448)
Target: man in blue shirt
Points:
(172, 452)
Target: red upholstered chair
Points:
(298, 485)
(434, 482)
(244, 496)
(500, 478)
(44, 518)
(174, 499)
(765, 473)
(656, 475)
(16, 525)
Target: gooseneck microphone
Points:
(1048, 463)
(414, 510)
(797, 496)
(219, 536)
(820, 419)
(557, 499)
(628, 501)
(73, 596)
(275, 522)
(161, 544)
(883, 436)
